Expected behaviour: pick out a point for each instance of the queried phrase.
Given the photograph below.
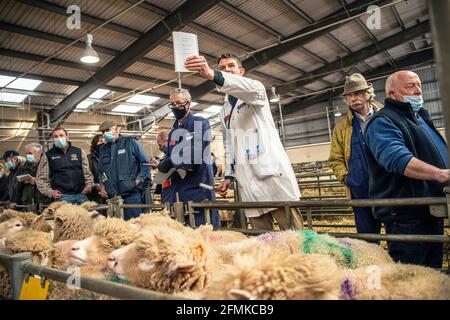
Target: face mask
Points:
(9, 164)
(60, 143)
(164, 149)
(109, 136)
(30, 158)
(179, 113)
(415, 101)
(1, 175)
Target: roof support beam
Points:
(360, 55)
(152, 38)
(269, 54)
(410, 60)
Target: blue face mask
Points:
(60, 143)
(1, 175)
(30, 158)
(9, 164)
(415, 101)
(109, 136)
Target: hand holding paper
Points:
(199, 64)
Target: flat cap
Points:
(107, 124)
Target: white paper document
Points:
(184, 46)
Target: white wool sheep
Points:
(395, 282)
(348, 253)
(108, 235)
(166, 260)
(274, 275)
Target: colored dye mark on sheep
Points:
(117, 279)
(347, 292)
(310, 238)
(267, 237)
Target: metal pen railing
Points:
(19, 265)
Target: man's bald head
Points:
(403, 83)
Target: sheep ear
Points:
(236, 294)
(145, 264)
(182, 266)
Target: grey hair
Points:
(181, 91)
(34, 145)
(390, 82)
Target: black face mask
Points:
(164, 149)
(179, 113)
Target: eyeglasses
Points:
(175, 105)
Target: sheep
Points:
(274, 275)
(219, 237)
(31, 220)
(395, 282)
(348, 253)
(37, 242)
(166, 260)
(271, 274)
(108, 235)
(74, 222)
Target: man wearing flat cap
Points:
(121, 168)
(347, 155)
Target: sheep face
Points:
(91, 251)
(11, 226)
(163, 259)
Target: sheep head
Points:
(109, 234)
(38, 243)
(163, 259)
(11, 226)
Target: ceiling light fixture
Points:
(89, 55)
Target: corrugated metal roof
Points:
(46, 21)
(220, 19)
(318, 9)
(137, 18)
(325, 48)
(351, 35)
(55, 88)
(167, 5)
(274, 14)
(300, 60)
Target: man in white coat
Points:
(254, 153)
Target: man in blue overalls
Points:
(189, 157)
(121, 168)
(347, 155)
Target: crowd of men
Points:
(378, 151)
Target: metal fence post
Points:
(287, 210)
(110, 210)
(241, 219)
(119, 208)
(309, 217)
(191, 214)
(15, 269)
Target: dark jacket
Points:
(13, 195)
(383, 184)
(28, 193)
(93, 159)
(4, 188)
(358, 177)
(193, 137)
(66, 169)
(120, 164)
